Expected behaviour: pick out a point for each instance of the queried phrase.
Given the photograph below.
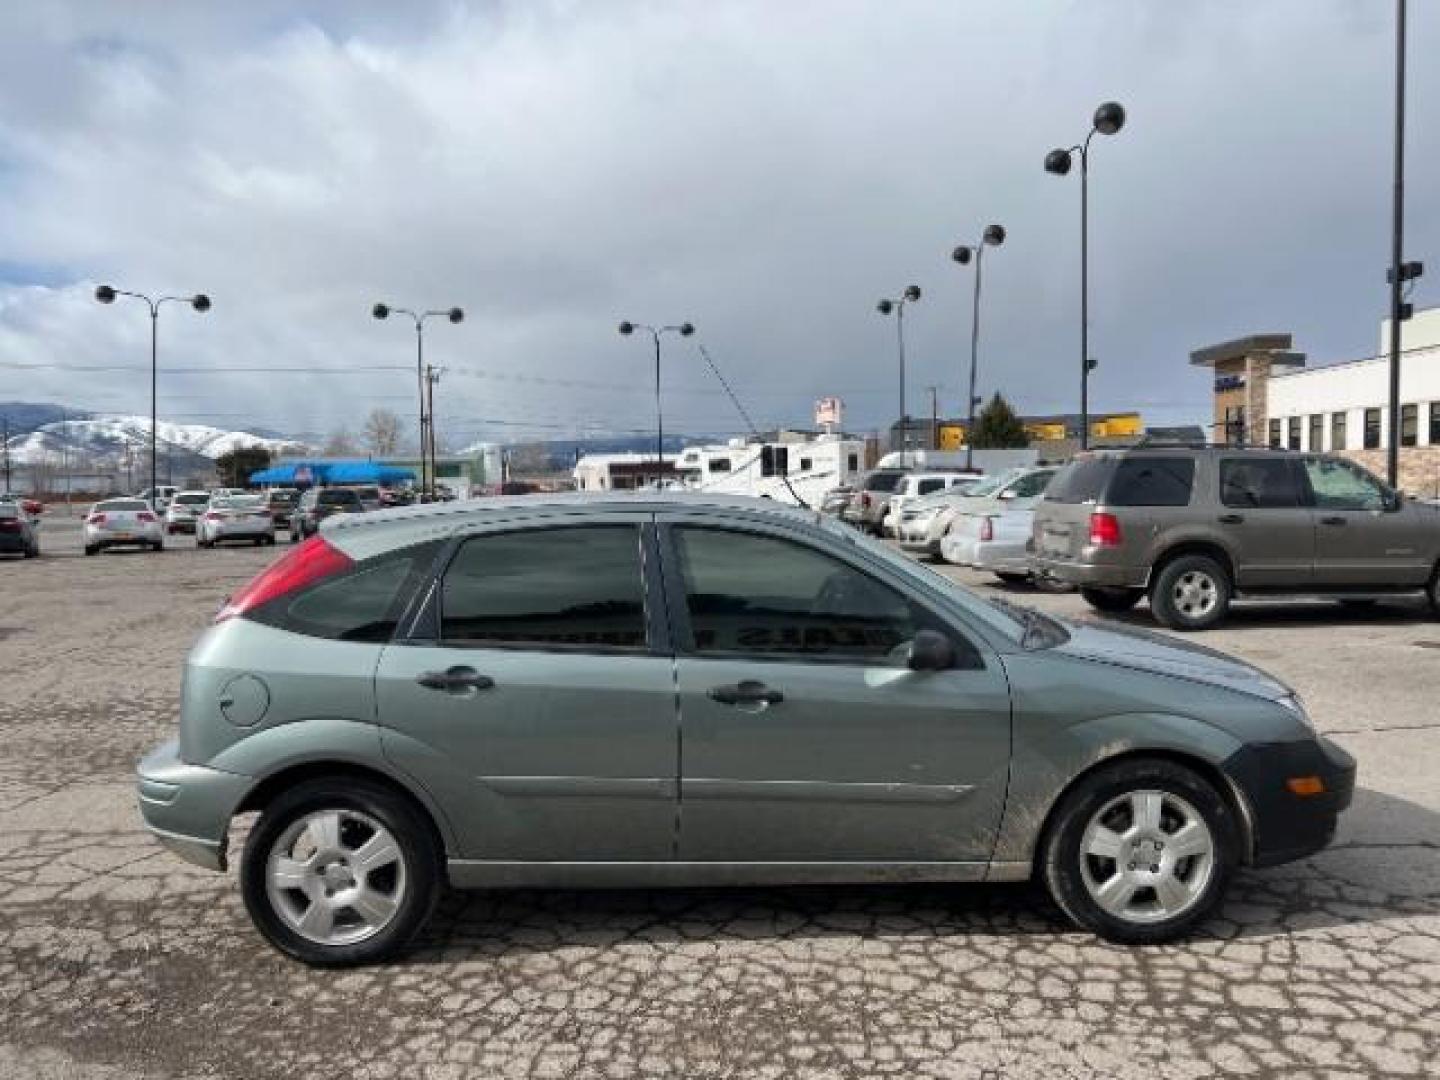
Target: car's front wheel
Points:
(1191, 593)
(1141, 851)
(1112, 600)
(340, 872)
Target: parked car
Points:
(997, 542)
(185, 508)
(159, 497)
(868, 505)
(122, 523)
(281, 504)
(924, 521)
(33, 507)
(235, 517)
(497, 696)
(915, 486)
(369, 495)
(319, 503)
(1194, 527)
(18, 535)
(836, 499)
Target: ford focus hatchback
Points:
(680, 690)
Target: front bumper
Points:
(1287, 826)
(188, 807)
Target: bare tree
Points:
(340, 443)
(381, 432)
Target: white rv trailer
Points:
(783, 471)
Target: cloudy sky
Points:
(766, 170)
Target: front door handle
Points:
(455, 680)
(1231, 519)
(1332, 521)
(747, 692)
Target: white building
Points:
(621, 472)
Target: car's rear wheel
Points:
(1009, 577)
(33, 551)
(158, 545)
(1140, 852)
(1113, 600)
(1191, 593)
(340, 872)
(92, 549)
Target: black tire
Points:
(33, 551)
(1011, 578)
(1112, 600)
(419, 852)
(1359, 604)
(92, 549)
(1176, 574)
(158, 545)
(1064, 870)
(1432, 592)
(270, 540)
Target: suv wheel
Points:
(1115, 600)
(1140, 852)
(340, 872)
(1191, 593)
(1432, 591)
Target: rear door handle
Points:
(1332, 521)
(748, 692)
(455, 680)
(1231, 519)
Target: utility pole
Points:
(934, 417)
(1397, 237)
(432, 376)
(5, 436)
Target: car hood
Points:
(1146, 650)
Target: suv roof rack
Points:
(1147, 442)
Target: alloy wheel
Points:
(1195, 594)
(1147, 856)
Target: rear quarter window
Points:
(1081, 481)
(1155, 481)
(363, 604)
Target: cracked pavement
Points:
(117, 960)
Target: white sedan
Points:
(122, 523)
(995, 542)
(235, 517)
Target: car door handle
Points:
(1332, 521)
(455, 680)
(1231, 519)
(748, 692)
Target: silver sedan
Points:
(235, 517)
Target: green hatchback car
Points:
(663, 689)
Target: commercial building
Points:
(1055, 435)
(1264, 393)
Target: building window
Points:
(1372, 429)
(853, 463)
(1337, 432)
(1275, 434)
(1409, 425)
(1317, 433)
(1435, 423)
(1294, 440)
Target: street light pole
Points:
(456, 316)
(1109, 118)
(993, 236)
(106, 294)
(885, 307)
(684, 330)
(1397, 236)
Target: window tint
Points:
(337, 497)
(883, 481)
(1079, 482)
(1258, 483)
(123, 504)
(548, 587)
(1156, 481)
(927, 486)
(362, 604)
(192, 500)
(765, 595)
(1338, 485)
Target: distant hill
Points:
(23, 416)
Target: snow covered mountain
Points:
(108, 439)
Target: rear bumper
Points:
(188, 807)
(1001, 558)
(1090, 573)
(1287, 826)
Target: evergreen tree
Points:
(998, 427)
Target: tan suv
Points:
(1193, 527)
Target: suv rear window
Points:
(1152, 481)
(883, 481)
(337, 497)
(1081, 481)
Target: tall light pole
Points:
(684, 330)
(885, 307)
(1109, 118)
(106, 294)
(455, 315)
(994, 236)
(1400, 271)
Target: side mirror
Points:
(930, 651)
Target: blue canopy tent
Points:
(305, 473)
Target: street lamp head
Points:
(105, 294)
(962, 254)
(200, 302)
(686, 329)
(1109, 118)
(455, 315)
(912, 293)
(381, 311)
(1057, 162)
(627, 327)
(884, 307)
(994, 235)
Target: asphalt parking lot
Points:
(117, 960)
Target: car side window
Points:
(927, 486)
(577, 587)
(1152, 481)
(1258, 483)
(1338, 485)
(758, 595)
(1031, 485)
(362, 604)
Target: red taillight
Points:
(144, 515)
(311, 561)
(1104, 530)
(987, 530)
(95, 519)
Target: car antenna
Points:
(748, 422)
